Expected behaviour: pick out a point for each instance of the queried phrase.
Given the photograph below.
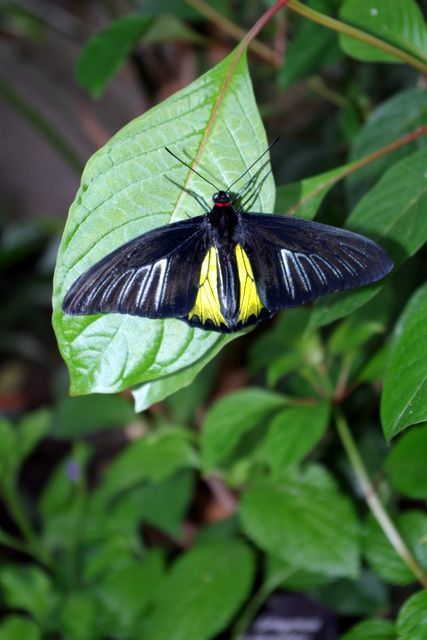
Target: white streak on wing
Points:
(160, 269)
(128, 286)
(347, 266)
(317, 269)
(350, 250)
(141, 291)
(164, 279)
(110, 288)
(92, 293)
(332, 267)
(301, 271)
(286, 272)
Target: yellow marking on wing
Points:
(250, 303)
(207, 305)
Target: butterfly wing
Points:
(295, 261)
(156, 275)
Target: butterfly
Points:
(227, 269)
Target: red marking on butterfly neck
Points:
(222, 204)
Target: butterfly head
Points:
(221, 199)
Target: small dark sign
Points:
(293, 617)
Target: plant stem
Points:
(357, 34)
(373, 501)
(264, 52)
(41, 124)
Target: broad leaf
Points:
(229, 419)
(79, 616)
(404, 400)
(412, 526)
(406, 463)
(28, 587)
(291, 435)
(126, 591)
(311, 49)
(153, 457)
(202, 592)
(157, 390)
(304, 520)
(392, 213)
(18, 628)
(372, 630)
(106, 52)
(401, 114)
(412, 619)
(398, 22)
(129, 187)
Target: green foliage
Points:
(401, 114)
(269, 469)
(413, 526)
(393, 212)
(106, 52)
(400, 23)
(311, 49)
(17, 627)
(412, 618)
(202, 592)
(304, 520)
(372, 630)
(404, 401)
(405, 463)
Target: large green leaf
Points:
(129, 187)
(202, 592)
(393, 212)
(158, 390)
(304, 520)
(401, 114)
(404, 400)
(406, 463)
(412, 618)
(229, 419)
(18, 628)
(412, 525)
(372, 630)
(29, 588)
(292, 434)
(398, 22)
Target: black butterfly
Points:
(227, 269)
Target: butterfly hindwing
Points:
(156, 275)
(295, 261)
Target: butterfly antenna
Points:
(250, 185)
(192, 169)
(253, 163)
(251, 196)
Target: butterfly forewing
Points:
(295, 261)
(155, 275)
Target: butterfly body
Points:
(227, 269)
